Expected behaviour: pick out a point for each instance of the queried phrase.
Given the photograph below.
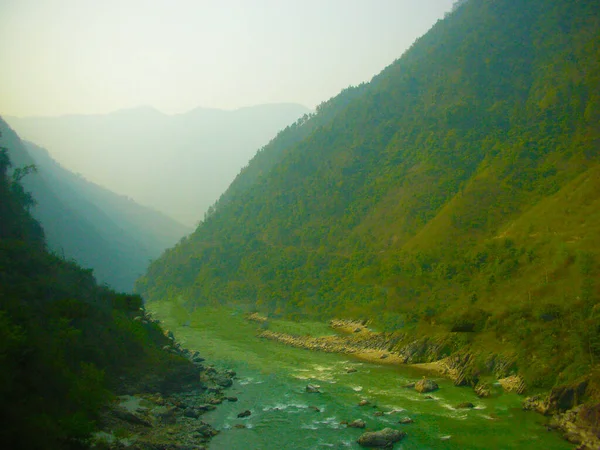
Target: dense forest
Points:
(454, 195)
(66, 343)
(99, 229)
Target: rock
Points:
(168, 416)
(378, 413)
(314, 408)
(426, 385)
(313, 388)
(351, 370)
(215, 401)
(364, 402)
(206, 407)
(512, 384)
(223, 381)
(232, 399)
(206, 430)
(383, 438)
(406, 420)
(562, 398)
(191, 413)
(358, 423)
(465, 405)
(482, 390)
(230, 373)
(131, 418)
(244, 413)
(239, 425)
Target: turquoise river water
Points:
(271, 381)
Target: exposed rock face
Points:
(513, 383)
(482, 390)
(384, 438)
(580, 424)
(426, 385)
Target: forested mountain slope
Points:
(66, 343)
(108, 233)
(456, 194)
(178, 164)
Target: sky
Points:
(89, 56)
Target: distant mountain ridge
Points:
(99, 229)
(178, 164)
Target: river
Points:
(271, 384)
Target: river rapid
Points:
(271, 382)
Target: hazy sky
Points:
(94, 56)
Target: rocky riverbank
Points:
(165, 413)
(578, 422)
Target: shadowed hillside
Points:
(108, 233)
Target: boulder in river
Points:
(244, 414)
(406, 420)
(383, 438)
(465, 405)
(358, 423)
(313, 388)
(426, 385)
(232, 399)
(364, 402)
(223, 380)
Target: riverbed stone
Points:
(465, 405)
(384, 438)
(358, 423)
(244, 414)
(426, 385)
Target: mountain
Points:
(178, 164)
(67, 345)
(454, 197)
(108, 233)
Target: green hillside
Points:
(66, 343)
(456, 194)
